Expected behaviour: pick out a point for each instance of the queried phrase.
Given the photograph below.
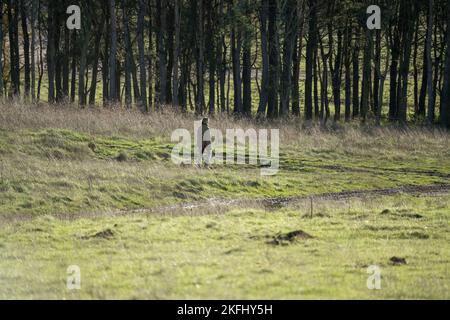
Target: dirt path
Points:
(223, 205)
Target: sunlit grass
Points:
(69, 178)
(231, 256)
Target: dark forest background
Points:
(255, 58)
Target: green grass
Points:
(230, 256)
(65, 174)
(47, 171)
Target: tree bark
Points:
(356, 78)
(290, 35)
(176, 55)
(73, 81)
(14, 47)
(310, 48)
(128, 54)
(84, 38)
(1, 50)
(162, 55)
(337, 72)
(263, 99)
(424, 85)
(445, 99)
(274, 57)
(65, 64)
(211, 56)
(407, 23)
(377, 78)
(51, 51)
(429, 64)
(367, 61)
(142, 63)
(26, 48)
(247, 73)
(96, 57)
(237, 81)
(113, 53)
(348, 74)
(296, 59)
(394, 40)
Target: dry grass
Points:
(15, 115)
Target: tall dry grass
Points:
(16, 115)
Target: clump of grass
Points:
(122, 157)
(92, 146)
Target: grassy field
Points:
(90, 188)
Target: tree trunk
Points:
(296, 59)
(356, 77)
(176, 55)
(337, 72)
(290, 35)
(73, 68)
(365, 94)
(151, 58)
(26, 48)
(395, 56)
(141, 49)
(222, 70)
(325, 114)
(316, 71)
(113, 53)
(212, 59)
(383, 79)
(14, 46)
(237, 82)
(162, 55)
(96, 57)
(84, 39)
(424, 85)
(128, 54)
(247, 74)
(408, 32)
(429, 64)
(445, 99)
(263, 99)
(51, 52)
(58, 56)
(1, 50)
(65, 64)
(310, 49)
(105, 54)
(134, 77)
(274, 57)
(377, 78)
(348, 74)
(222, 57)
(41, 54)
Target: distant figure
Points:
(206, 140)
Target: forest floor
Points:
(98, 190)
